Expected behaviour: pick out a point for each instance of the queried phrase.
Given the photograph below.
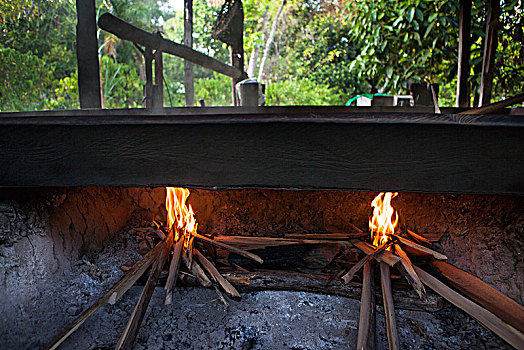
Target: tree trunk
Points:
(253, 59)
(270, 41)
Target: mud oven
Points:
(81, 190)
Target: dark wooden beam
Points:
(189, 82)
(87, 55)
(490, 50)
(129, 32)
(463, 95)
(270, 147)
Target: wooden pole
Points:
(189, 82)
(367, 321)
(148, 88)
(237, 53)
(87, 55)
(389, 309)
(483, 316)
(463, 92)
(496, 106)
(490, 50)
(158, 89)
(129, 32)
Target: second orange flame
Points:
(180, 217)
(384, 219)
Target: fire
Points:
(180, 218)
(384, 219)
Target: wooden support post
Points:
(189, 82)
(463, 91)
(158, 88)
(148, 88)
(87, 55)
(389, 309)
(490, 50)
(237, 53)
(367, 321)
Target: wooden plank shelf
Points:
(265, 147)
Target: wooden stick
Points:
(389, 309)
(490, 298)
(113, 294)
(508, 333)
(419, 237)
(263, 242)
(327, 236)
(197, 272)
(416, 246)
(496, 106)
(213, 272)
(160, 234)
(349, 276)
(367, 321)
(406, 269)
(173, 271)
(230, 248)
(133, 325)
(221, 296)
(386, 257)
(190, 250)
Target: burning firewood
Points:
(421, 248)
(406, 269)
(367, 320)
(384, 256)
(215, 275)
(389, 309)
(349, 276)
(131, 330)
(230, 248)
(173, 270)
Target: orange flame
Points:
(180, 217)
(382, 223)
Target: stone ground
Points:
(196, 320)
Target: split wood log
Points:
(160, 234)
(508, 333)
(114, 293)
(263, 242)
(190, 250)
(389, 309)
(327, 236)
(406, 269)
(349, 276)
(173, 270)
(367, 320)
(197, 271)
(418, 237)
(230, 248)
(230, 291)
(133, 325)
(385, 256)
(416, 246)
(507, 309)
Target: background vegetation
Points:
(323, 52)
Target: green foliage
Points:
(403, 41)
(65, 95)
(301, 92)
(214, 91)
(120, 83)
(25, 80)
